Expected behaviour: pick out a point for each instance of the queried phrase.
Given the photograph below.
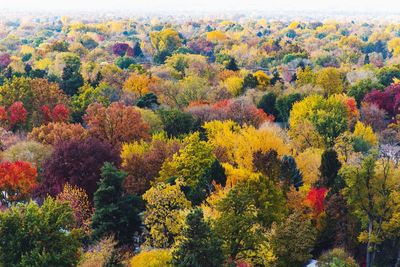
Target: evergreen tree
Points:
(205, 186)
(115, 212)
(330, 166)
(71, 80)
(199, 247)
(137, 51)
(232, 65)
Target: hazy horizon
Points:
(351, 6)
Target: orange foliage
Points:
(17, 180)
(56, 132)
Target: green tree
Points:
(246, 213)
(330, 166)
(284, 104)
(190, 163)
(176, 122)
(39, 236)
(115, 213)
(292, 240)
(199, 246)
(370, 189)
(267, 103)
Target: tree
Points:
(78, 163)
(148, 101)
(336, 257)
(17, 181)
(33, 235)
(28, 151)
(284, 105)
(154, 258)
(116, 213)
(165, 214)
(116, 124)
(330, 80)
(165, 40)
(71, 78)
(199, 246)
(191, 161)
(56, 132)
(330, 166)
(245, 213)
(369, 191)
(292, 240)
(17, 115)
(138, 84)
(80, 205)
(143, 161)
(176, 122)
(267, 103)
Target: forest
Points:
(151, 142)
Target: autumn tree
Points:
(330, 80)
(372, 205)
(54, 133)
(143, 161)
(245, 214)
(165, 214)
(199, 247)
(17, 181)
(80, 205)
(78, 163)
(116, 124)
(292, 240)
(116, 213)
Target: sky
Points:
(392, 6)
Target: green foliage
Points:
(33, 235)
(284, 104)
(361, 88)
(116, 213)
(267, 103)
(124, 62)
(199, 246)
(292, 240)
(246, 213)
(336, 257)
(176, 122)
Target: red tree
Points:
(315, 198)
(17, 180)
(17, 113)
(60, 113)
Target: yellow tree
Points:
(330, 80)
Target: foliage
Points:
(115, 213)
(199, 246)
(77, 163)
(17, 181)
(49, 228)
(116, 124)
(152, 258)
(165, 214)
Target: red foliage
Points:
(388, 100)
(17, 180)
(315, 198)
(46, 113)
(3, 114)
(60, 113)
(17, 113)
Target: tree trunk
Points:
(369, 259)
(398, 259)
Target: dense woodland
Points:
(144, 142)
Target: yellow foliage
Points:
(26, 49)
(308, 163)
(293, 25)
(263, 79)
(152, 258)
(138, 84)
(394, 46)
(43, 64)
(330, 80)
(216, 36)
(234, 85)
(238, 144)
(365, 132)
